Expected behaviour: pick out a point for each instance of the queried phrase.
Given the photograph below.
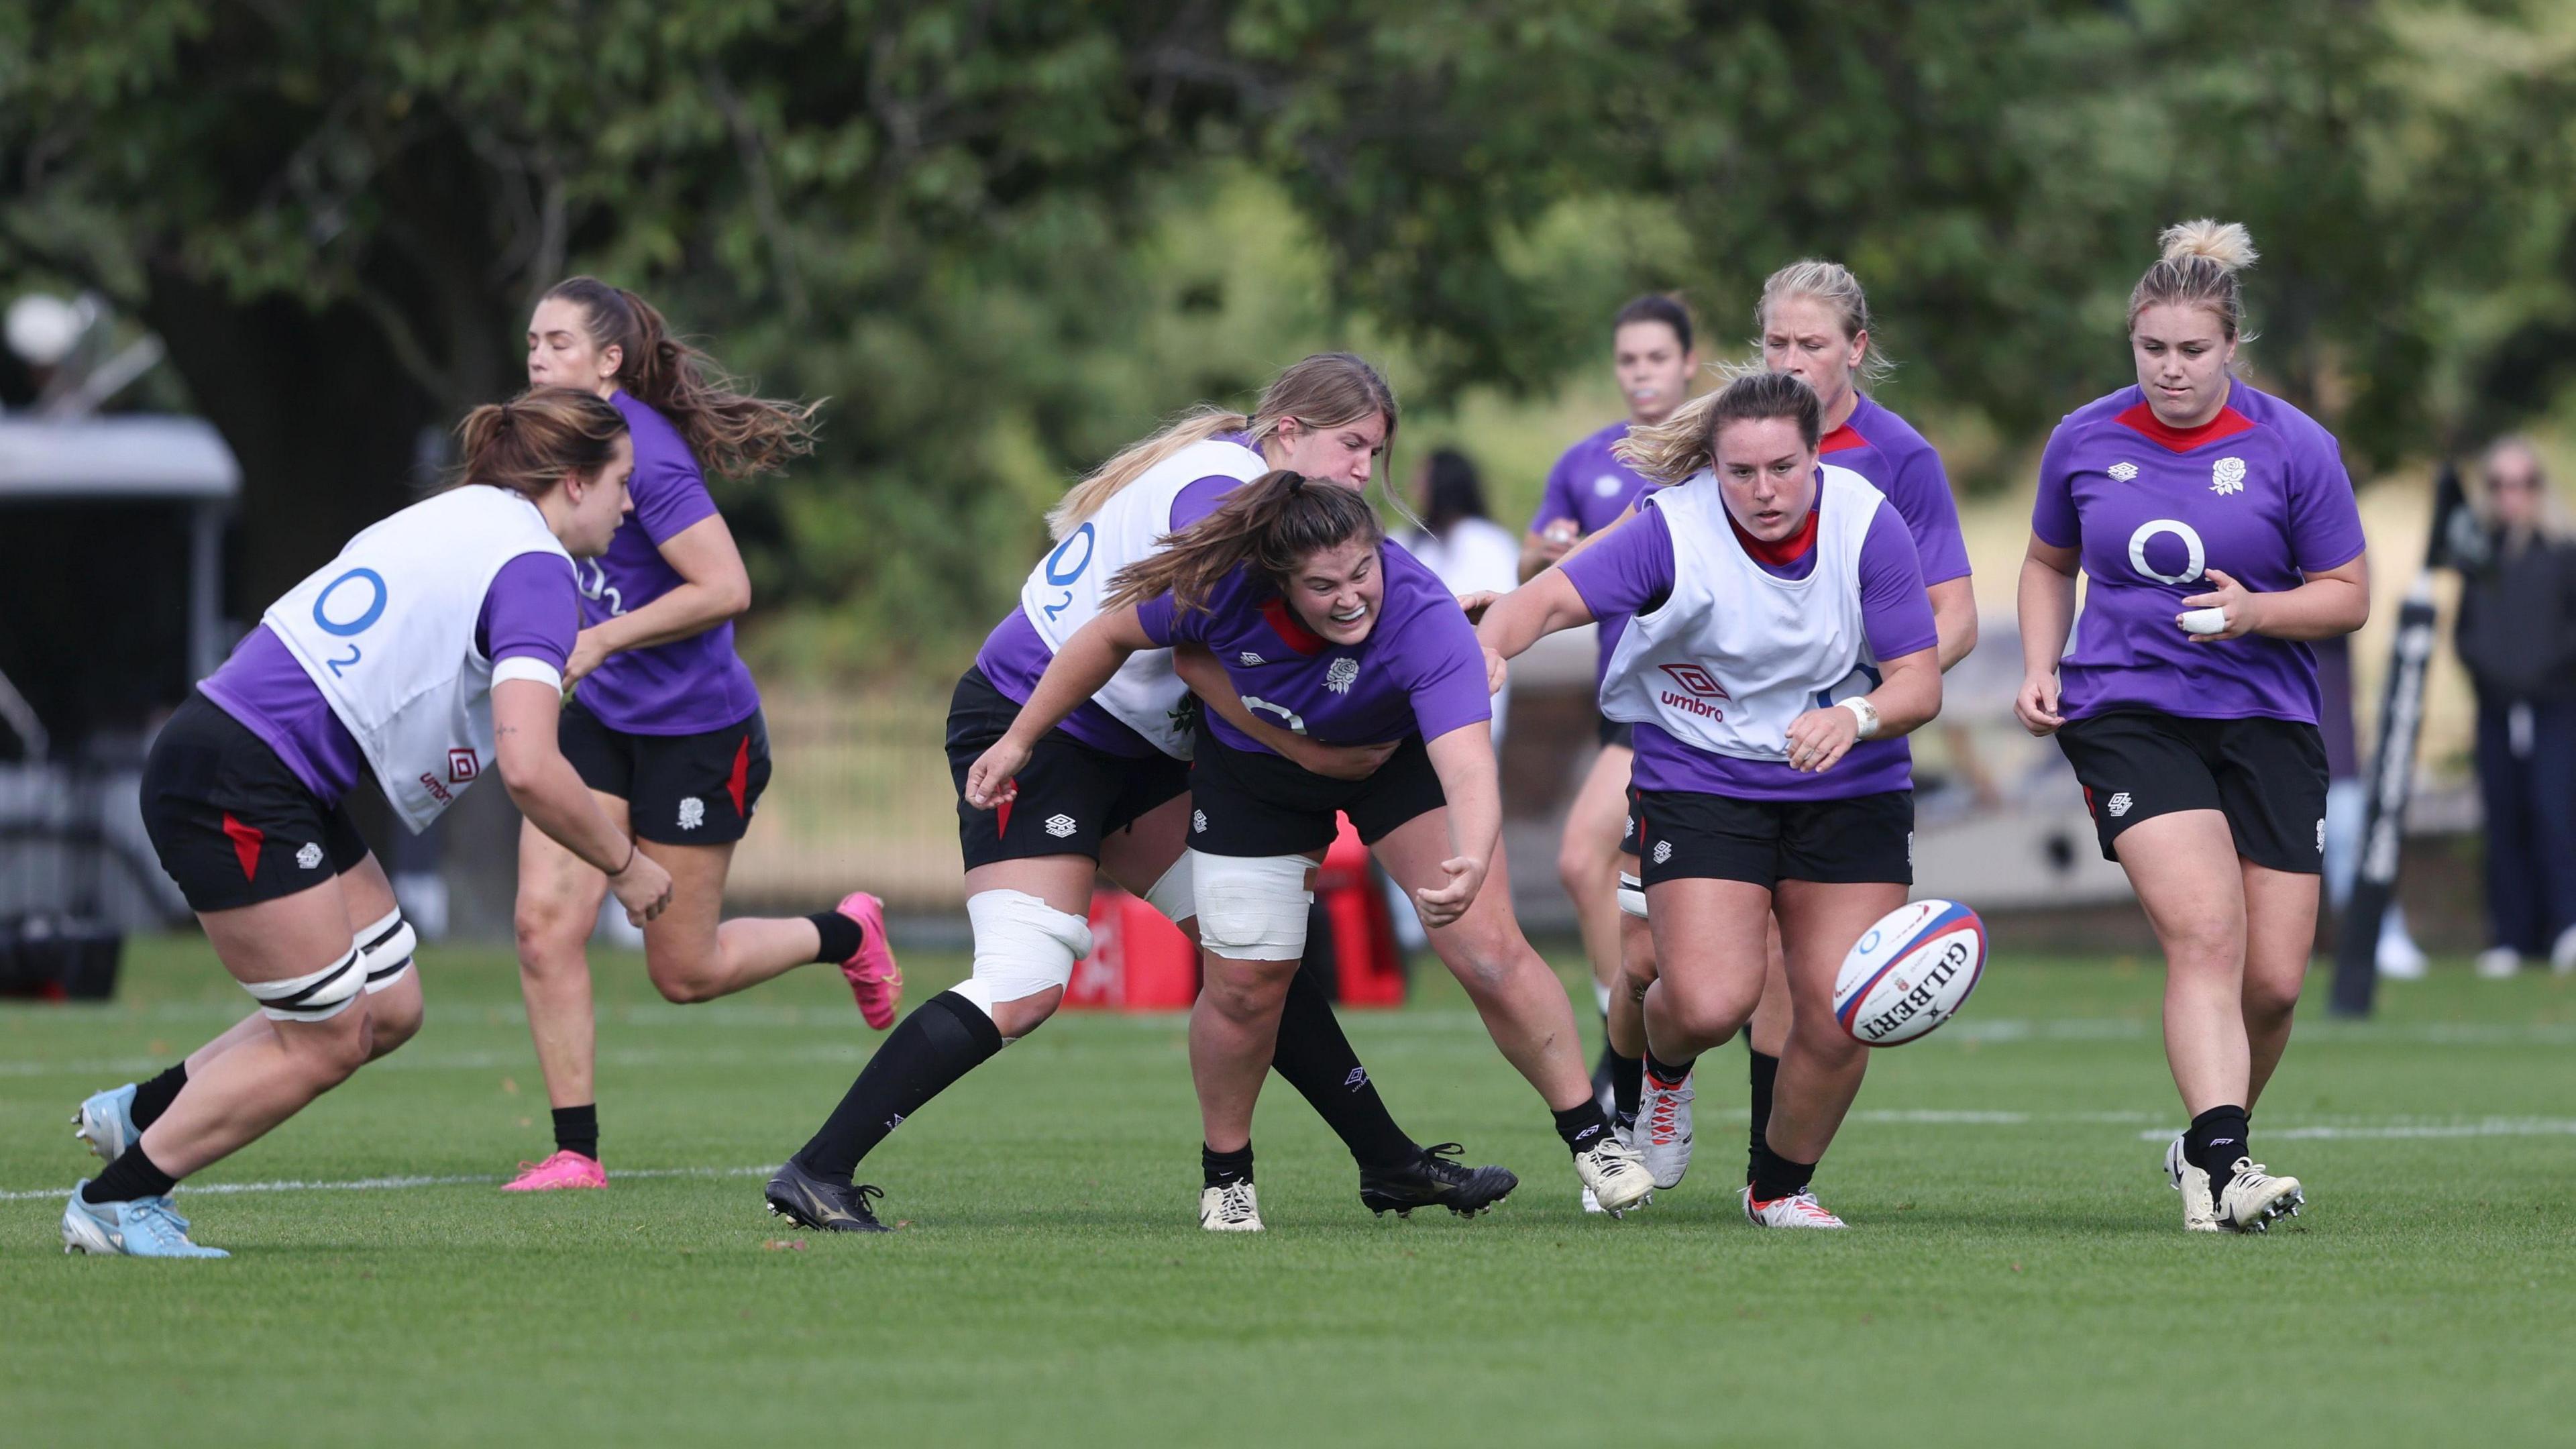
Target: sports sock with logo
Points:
(842, 936)
(1582, 1126)
(1665, 1073)
(154, 1097)
(1762, 1071)
(1224, 1169)
(1315, 1057)
(577, 1130)
(1627, 1085)
(1776, 1177)
(129, 1177)
(2217, 1138)
(943, 1039)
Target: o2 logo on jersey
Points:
(2195, 556)
(1062, 567)
(338, 619)
(592, 579)
(1296, 722)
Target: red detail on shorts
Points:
(2088, 800)
(740, 780)
(1283, 622)
(1002, 819)
(2143, 419)
(246, 843)
(1840, 440)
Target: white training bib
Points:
(387, 632)
(1736, 654)
(1064, 591)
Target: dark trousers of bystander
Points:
(2527, 783)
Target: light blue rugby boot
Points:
(147, 1227)
(106, 1122)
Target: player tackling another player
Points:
(1780, 624)
(2218, 529)
(431, 651)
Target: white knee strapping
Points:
(1632, 895)
(1022, 946)
(1253, 908)
(385, 948)
(1176, 894)
(317, 997)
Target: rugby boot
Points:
(147, 1227)
(1663, 1134)
(562, 1169)
(106, 1122)
(2254, 1198)
(2199, 1214)
(1233, 1208)
(1798, 1210)
(1435, 1179)
(1617, 1178)
(826, 1207)
(873, 976)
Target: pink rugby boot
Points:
(874, 978)
(564, 1169)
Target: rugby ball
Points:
(1910, 972)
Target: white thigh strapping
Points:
(1176, 894)
(385, 948)
(318, 996)
(1022, 946)
(1253, 908)
(1632, 895)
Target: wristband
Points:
(1865, 712)
(630, 862)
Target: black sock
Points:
(154, 1097)
(1627, 1084)
(1776, 1177)
(1667, 1073)
(129, 1177)
(577, 1130)
(2217, 1138)
(1223, 1169)
(943, 1039)
(1763, 1071)
(1582, 1126)
(1316, 1058)
(842, 936)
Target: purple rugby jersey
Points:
(1885, 451)
(2259, 492)
(530, 612)
(687, 686)
(1633, 570)
(1014, 656)
(1592, 486)
(1420, 670)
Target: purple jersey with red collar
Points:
(1420, 670)
(2259, 493)
(1884, 449)
(686, 686)
(1592, 485)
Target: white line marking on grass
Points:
(2403, 1129)
(395, 1184)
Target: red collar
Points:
(1788, 550)
(2142, 419)
(1840, 440)
(1284, 623)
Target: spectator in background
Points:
(2348, 809)
(2517, 637)
(1460, 542)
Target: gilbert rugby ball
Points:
(1910, 972)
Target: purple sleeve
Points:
(1448, 686)
(670, 493)
(1894, 610)
(2053, 519)
(1922, 496)
(531, 611)
(1164, 622)
(1557, 502)
(2325, 522)
(1200, 498)
(1628, 569)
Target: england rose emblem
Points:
(1341, 674)
(2226, 476)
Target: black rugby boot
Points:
(1435, 1179)
(827, 1207)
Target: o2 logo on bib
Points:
(2151, 534)
(337, 610)
(1062, 567)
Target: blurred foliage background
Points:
(1005, 236)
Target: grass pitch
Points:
(2016, 1269)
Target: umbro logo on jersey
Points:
(2123, 472)
(1341, 674)
(2227, 476)
(2119, 805)
(1059, 826)
(1606, 486)
(1248, 658)
(311, 855)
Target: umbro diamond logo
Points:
(1249, 658)
(1663, 851)
(1059, 826)
(310, 856)
(2226, 476)
(2119, 805)
(1198, 821)
(2123, 472)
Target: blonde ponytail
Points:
(1684, 444)
(1132, 462)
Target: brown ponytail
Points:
(1274, 523)
(733, 433)
(529, 443)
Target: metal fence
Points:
(859, 798)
